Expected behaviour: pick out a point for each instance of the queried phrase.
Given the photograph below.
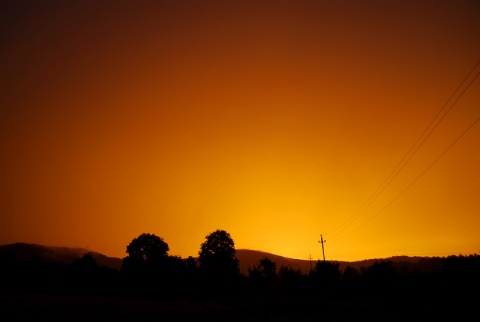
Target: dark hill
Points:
(247, 258)
(250, 258)
(65, 255)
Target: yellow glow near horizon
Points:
(274, 121)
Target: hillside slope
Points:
(247, 258)
(65, 255)
(250, 258)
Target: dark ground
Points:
(122, 308)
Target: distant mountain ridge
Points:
(250, 258)
(64, 255)
(247, 258)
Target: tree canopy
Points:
(145, 253)
(217, 254)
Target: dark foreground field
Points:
(121, 308)
(35, 288)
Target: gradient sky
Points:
(275, 120)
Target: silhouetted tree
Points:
(83, 274)
(326, 274)
(146, 266)
(38, 275)
(191, 275)
(9, 272)
(264, 275)
(146, 253)
(350, 279)
(291, 281)
(218, 264)
(174, 274)
(86, 265)
(266, 269)
(191, 264)
(379, 278)
(461, 274)
(380, 272)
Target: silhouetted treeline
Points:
(148, 270)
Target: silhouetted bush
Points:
(263, 277)
(292, 283)
(325, 277)
(34, 275)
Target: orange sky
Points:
(274, 120)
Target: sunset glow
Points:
(276, 121)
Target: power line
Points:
(407, 157)
(417, 178)
(415, 147)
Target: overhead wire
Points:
(413, 149)
(417, 178)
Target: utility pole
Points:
(322, 242)
(311, 268)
